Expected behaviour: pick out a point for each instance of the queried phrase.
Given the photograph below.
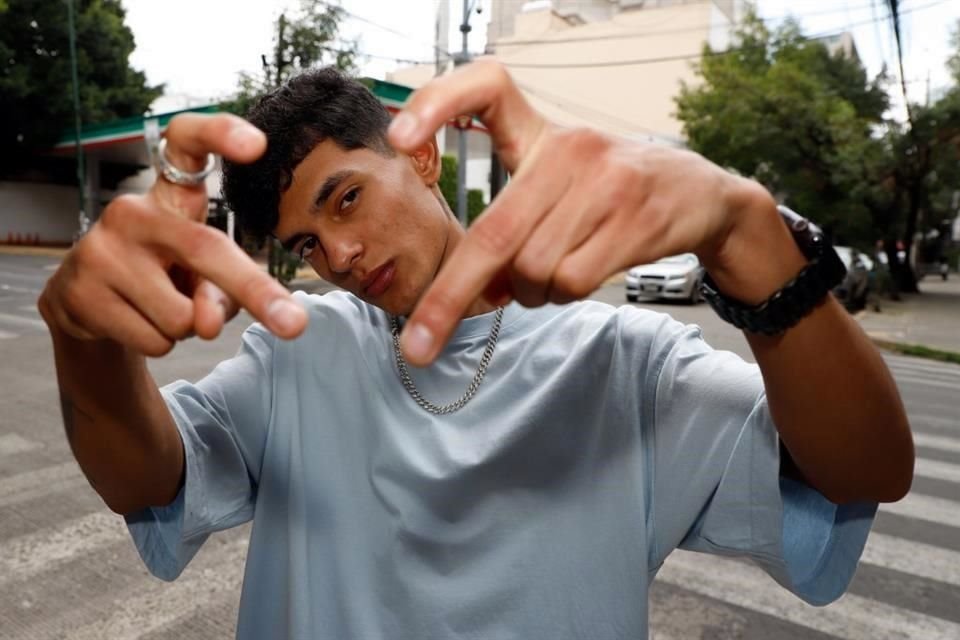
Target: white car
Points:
(673, 278)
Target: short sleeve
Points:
(223, 422)
(717, 486)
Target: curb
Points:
(15, 250)
(916, 350)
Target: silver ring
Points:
(172, 174)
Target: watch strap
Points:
(797, 298)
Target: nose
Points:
(343, 253)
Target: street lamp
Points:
(81, 172)
(463, 57)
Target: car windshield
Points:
(684, 258)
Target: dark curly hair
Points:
(311, 107)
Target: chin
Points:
(395, 305)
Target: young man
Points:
(530, 481)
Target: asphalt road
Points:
(68, 570)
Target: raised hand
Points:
(151, 272)
(580, 206)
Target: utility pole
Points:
(463, 124)
(83, 221)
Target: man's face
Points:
(368, 223)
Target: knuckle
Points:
(530, 266)
(156, 346)
(572, 283)
(584, 142)
(179, 321)
(199, 239)
(74, 301)
(496, 70)
(177, 127)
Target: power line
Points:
(386, 28)
(895, 15)
(571, 107)
(658, 32)
(688, 56)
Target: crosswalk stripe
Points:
(928, 382)
(923, 419)
(914, 558)
(944, 443)
(24, 557)
(852, 616)
(34, 484)
(923, 365)
(161, 604)
(929, 508)
(13, 443)
(938, 470)
(33, 322)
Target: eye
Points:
(349, 198)
(306, 249)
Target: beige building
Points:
(615, 65)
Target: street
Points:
(68, 569)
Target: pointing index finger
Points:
(484, 88)
(488, 248)
(190, 137)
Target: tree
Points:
(448, 187)
(304, 38)
(812, 128)
(782, 109)
(35, 73)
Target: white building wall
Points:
(49, 213)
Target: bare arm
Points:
(834, 402)
(148, 274)
(582, 206)
(118, 426)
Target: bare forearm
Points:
(837, 408)
(834, 402)
(118, 425)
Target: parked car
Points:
(673, 278)
(853, 289)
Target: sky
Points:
(198, 47)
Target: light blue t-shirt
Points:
(601, 439)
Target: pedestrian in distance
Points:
(457, 445)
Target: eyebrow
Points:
(329, 185)
(323, 194)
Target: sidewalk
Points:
(930, 319)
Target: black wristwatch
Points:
(798, 297)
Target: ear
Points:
(426, 162)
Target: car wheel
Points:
(631, 297)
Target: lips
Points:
(379, 280)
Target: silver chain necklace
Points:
(435, 409)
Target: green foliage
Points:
(304, 38)
(35, 73)
(782, 109)
(448, 187)
(448, 180)
(811, 127)
(475, 204)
